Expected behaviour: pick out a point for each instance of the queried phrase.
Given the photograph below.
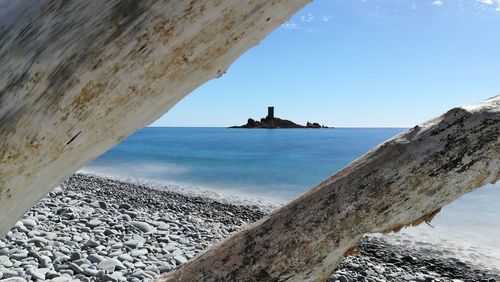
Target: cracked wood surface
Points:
(77, 77)
(404, 181)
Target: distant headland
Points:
(273, 122)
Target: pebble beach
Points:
(93, 228)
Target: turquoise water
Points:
(278, 164)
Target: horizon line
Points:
(330, 127)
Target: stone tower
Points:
(270, 113)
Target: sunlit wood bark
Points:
(77, 77)
(404, 181)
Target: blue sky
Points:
(358, 63)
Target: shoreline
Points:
(94, 228)
(188, 190)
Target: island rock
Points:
(273, 122)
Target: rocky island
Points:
(270, 121)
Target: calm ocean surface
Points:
(278, 165)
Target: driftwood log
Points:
(77, 77)
(405, 181)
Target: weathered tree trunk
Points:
(77, 77)
(404, 181)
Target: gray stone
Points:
(99, 230)
(38, 241)
(118, 245)
(58, 191)
(131, 243)
(163, 226)
(109, 265)
(95, 258)
(142, 226)
(150, 273)
(19, 255)
(90, 271)
(180, 259)
(94, 223)
(37, 274)
(139, 264)
(85, 229)
(131, 213)
(50, 235)
(14, 279)
(125, 206)
(115, 253)
(408, 277)
(64, 250)
(5, 261)
(138, 253)
(139, 238)
(82, 261)
(29, 222)
(76, 268)
(174, 237)
(108, 278)
(62, 278)
(91, 244)
(81, 278)
(45, 261)
(51, 274)
(170, 247)
(129, 265)
(177, 252)
(119, 226)
(75, 256)
(125, 257)
(342, 278)
(124, 217)
(110, 232)
(9, 273)
(95, 204)
(41, 217)
(165, 268)
(184, 241)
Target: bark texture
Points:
(77, 77)
(404, 181)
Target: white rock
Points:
(94, 223)
(142, 226)
(29, 222)
(180, 259)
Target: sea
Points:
(270, 166)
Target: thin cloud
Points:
(307, 18)
(476, 7)
(326, 19)
(291, 26)
(308, 22)
(438, 3)
(490, 3)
